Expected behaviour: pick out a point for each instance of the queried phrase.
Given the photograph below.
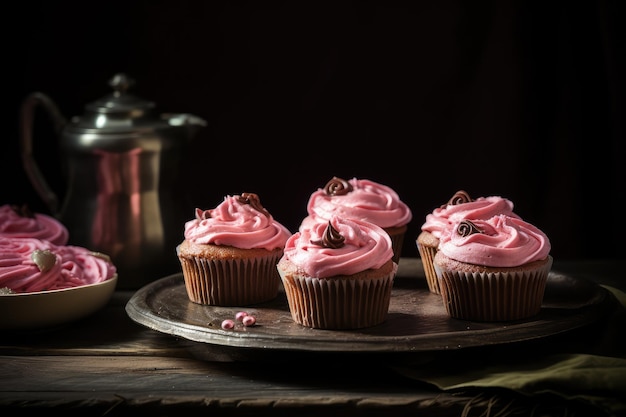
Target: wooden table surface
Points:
(108, 364)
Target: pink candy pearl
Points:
(243, 317)
(228, 324)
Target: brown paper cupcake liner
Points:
(340, 303)
(427, 255)
(397, 241)
(493, 296)
(230, 282)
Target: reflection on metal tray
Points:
(417, 319)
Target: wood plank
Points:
(99, 382)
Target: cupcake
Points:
(338, 274)
(229, 253)
(33, 265)
(21, 222)
(459, 207)
(493, 270)
(364, 200)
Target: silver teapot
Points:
(120, 162)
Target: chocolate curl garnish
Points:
(466, 228)
(23, 211)
(254, 201)
(44, 259)
(460, 197)
(332, 238)
(337, 186)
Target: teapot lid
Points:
(119, 110)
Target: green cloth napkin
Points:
(594, 379)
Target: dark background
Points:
(514, 98)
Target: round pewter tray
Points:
(417, 319)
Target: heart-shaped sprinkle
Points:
(44, 259)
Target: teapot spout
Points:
(183, 119)
(191, 122)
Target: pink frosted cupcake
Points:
(493, 270)
(20, 222)
(229, 253)
(459, 207)
(364, 200)
(32, 265)
(338, 274)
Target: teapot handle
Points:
(38, 181)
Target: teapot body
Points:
(123, 196)
(121, 200)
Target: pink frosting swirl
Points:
(358, 199)
(238, 221)
(31, 265)
(501, 241)
(364, 246)
(19, 222)
(481, 208)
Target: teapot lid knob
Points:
(121, 83)
(120, 103)
(119, 112)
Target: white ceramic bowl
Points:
(43, 309)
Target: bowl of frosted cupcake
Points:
(44, 282)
